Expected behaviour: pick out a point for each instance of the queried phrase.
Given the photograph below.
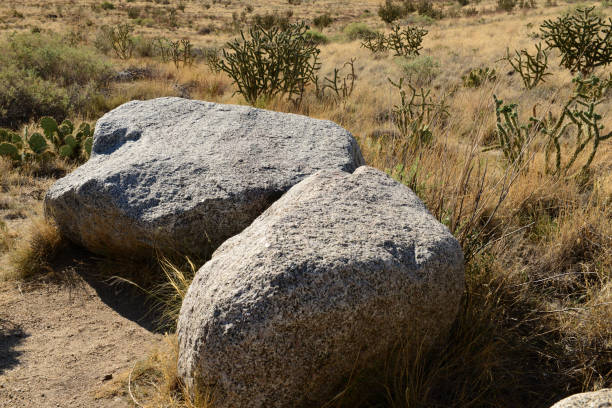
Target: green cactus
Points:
(88, 145)
(37, 143)
(66, 144)
(10, 150)
(513, 138)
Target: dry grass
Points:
(535, 323)
(32, 255)
(154, 382)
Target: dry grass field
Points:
(536, 318)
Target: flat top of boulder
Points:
(186, 175)
(162, 154)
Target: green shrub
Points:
(133, 12)
(390, 11)
(42, 75)
(271, 62)
(270, 20)
(107, 5)
(506, 5)
(322, 21)
(355, 31)
(25, 95)
(426, 8)
(52, 59)
(317, 37)
(420, 70)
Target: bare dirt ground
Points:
(60, 342)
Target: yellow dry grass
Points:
(536, 319)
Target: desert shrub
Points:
(270, 20)
(420, 70)
(42, 75)
(355, 31)
(584, 40)
(506, 5)
(50, 58)
(527, 4)
(470, 11)
(317, 37)
(426, 8)
(133, 12)
(390, 11)
(107, 5)
(144, 46)
(322, 21)
(531, 68)
(271, 62)
(25, 95)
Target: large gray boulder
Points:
(180, 174)
(595, 399)
(328, 279)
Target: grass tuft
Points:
(34, 255)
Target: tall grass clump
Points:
(33, 255)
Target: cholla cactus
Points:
(584, 40)
(512, 137)
(406, 42)
(271, 62)
(531, 68)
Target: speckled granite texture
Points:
(595, 399)
(329, 278)
(180, 174)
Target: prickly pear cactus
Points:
(68, 144)
(10, 150)
(37, 143)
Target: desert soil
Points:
(61, 342)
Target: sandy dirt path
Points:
(61, 342)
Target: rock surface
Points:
(595, 399)
(329, 278)
(187, 175)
